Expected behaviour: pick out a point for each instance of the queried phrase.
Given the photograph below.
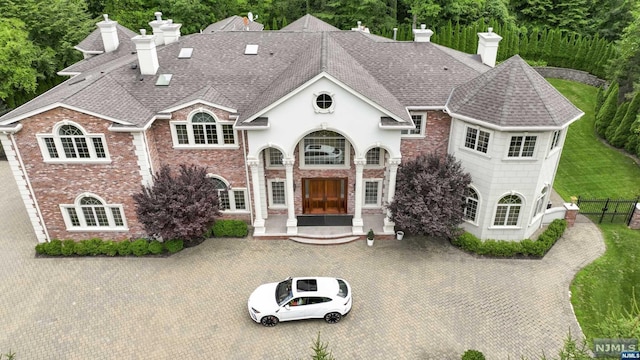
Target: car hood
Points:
(263, 298)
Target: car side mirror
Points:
(287, 307)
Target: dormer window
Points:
(420, 121)
(203, 129)
(323, 102)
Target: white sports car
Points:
(300, 298)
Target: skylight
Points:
(251, 50)
(185, 53)
(164, 79)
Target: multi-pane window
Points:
(372, 190)
(203, 129)
(274, 158)
(91, 213)
(375, 157)
(471, 205)
(277, 193)
(418, 120)
(555, 139)
(522, 146)
(70, 143)
(229, 199)
(540, 202)
(477, 139)
(324, 148)
(508, 211)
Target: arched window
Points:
(231, 199)
(274, 158)
(91, 213)
(70, 143)
(541, 200)
(203, 129)
(471, 205)
(324, 148)
(375, 157)
(508, 211)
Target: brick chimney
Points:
(155, 26)
(488, 47)
(109, 34)
(147, 55)
(170, 31)
(423, 34)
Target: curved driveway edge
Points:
(413, 299)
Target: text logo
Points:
(614, 347)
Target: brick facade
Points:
(56, 184)
(436, 139)
(227, 163)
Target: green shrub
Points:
(174, 245)
(93, 246)
(504, 248)
(124, 248)
(468, 242)
(109, 248)
(140, 247)
(81, 248)
(54, 248)
(230, 228)
(472, 355)
(41, 248)
(156, 247)
(68, 247)
(528, 247)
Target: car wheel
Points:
(332, 318)
(269, 321)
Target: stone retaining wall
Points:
(570, 74)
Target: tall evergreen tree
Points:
(607, 112)
(624, 129)
(615, 123)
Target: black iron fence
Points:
(613, 210)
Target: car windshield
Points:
(283, 292)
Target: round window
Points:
(324, 101)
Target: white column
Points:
(292, 221)
(358, 224)
(388, 227)
(258, 222)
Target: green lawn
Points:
(590, 168)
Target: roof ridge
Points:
(490, 75)
(323, 52)
(108, 75)
(535, 88)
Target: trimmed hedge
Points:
(228, 228)
(473, 355)
(503, 248)
(94, 247)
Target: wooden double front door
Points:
(324, 196)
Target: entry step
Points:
(332, 241)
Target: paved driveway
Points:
(411, 300)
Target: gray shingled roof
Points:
(233, 23)
(512, 95)
(93, 42)
(309, 23)
(394, 75)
